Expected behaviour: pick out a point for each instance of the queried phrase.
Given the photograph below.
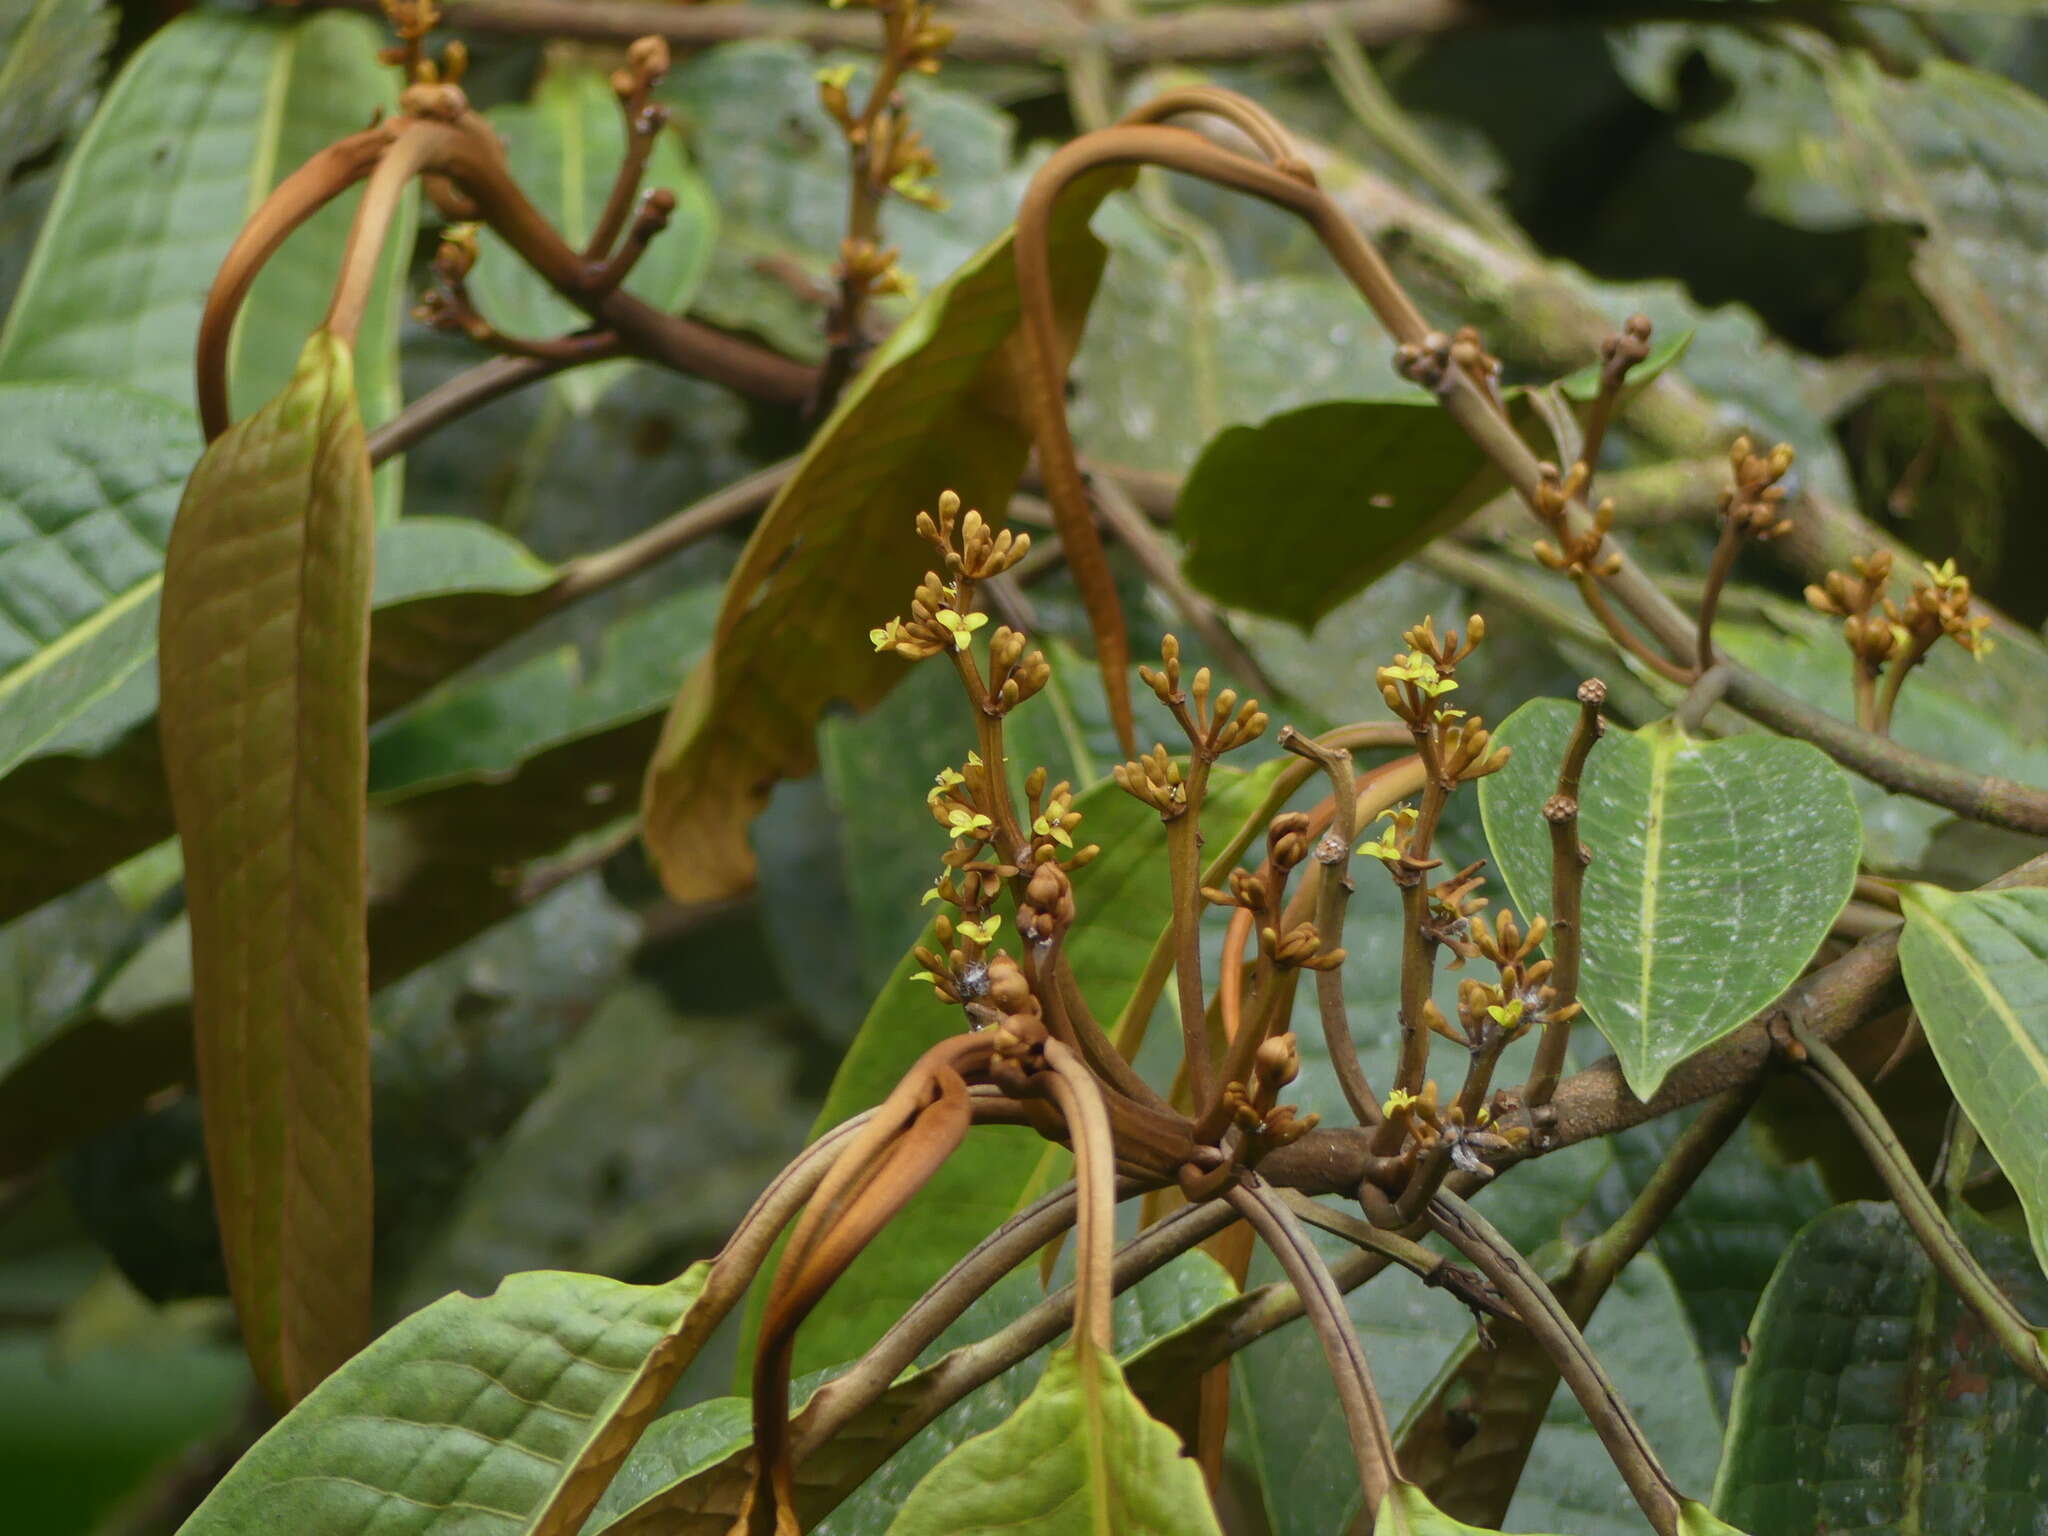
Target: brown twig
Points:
(1568, 861)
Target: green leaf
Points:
(265, 634)
(1874, 1401)
(209, 115)
(93, 794)
(506, 1413)
(473, 792)
(1292, 516)
(937, 407)
(1080, 1455)
(1958, 151)
(1123, 903)
(1406, 1511)
(1717, 869)
(690, 1471)
(49, 57)
(89, 479)
(1976, 965)
(564, 147)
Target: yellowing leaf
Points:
(937, 408)
(263, 646)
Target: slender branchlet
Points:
(885, 156)
(1213, 726)
(1581, 553)
(1454, 748)
(1619, 354)
(1568, 860)
(2023, 1342)
(1752, 509)
(1333, 893)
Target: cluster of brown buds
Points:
(1455, 747)
(1425, 1125)
(647, 62)
(1267, 1123)
(1754, 505)
(1429, 362)
(1491, 1016)
(1287, 844)
(1624, 350)
(412, 20)
(1213, 727)
(1580, 554)
(1857, 597)
(942, 614)
(1886, 636)
(1155, 778)
(1940, 605)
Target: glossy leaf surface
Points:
(1874, 1401)
(1717, 869)
(1976, 965)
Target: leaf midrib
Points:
(1663, 747)
(1981, 980)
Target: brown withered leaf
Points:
(263, 648)
(939, 407)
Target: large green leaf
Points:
(49, 57)
(937, 407)
(1874, 1401)
(564, 146)
(264, 638)
(89, 481)
(1958, 151)
(92, 794)
(209, 115)
(1344, 491)
(1717, 869)
(691, 1470)
(1123, 904)
(484, 780)
(1081, 1455)
(1976, 964)
(506, 1413)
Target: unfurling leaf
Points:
(504, 1414)
(1976, 964)
(1080, 1456)
(1718, 867)
(263, 645)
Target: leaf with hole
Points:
(1717, 869)
(1976, 965)
(1344, 492)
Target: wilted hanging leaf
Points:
(1718, 868)
(937, 408)
(1976, 964)
(263, 651)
